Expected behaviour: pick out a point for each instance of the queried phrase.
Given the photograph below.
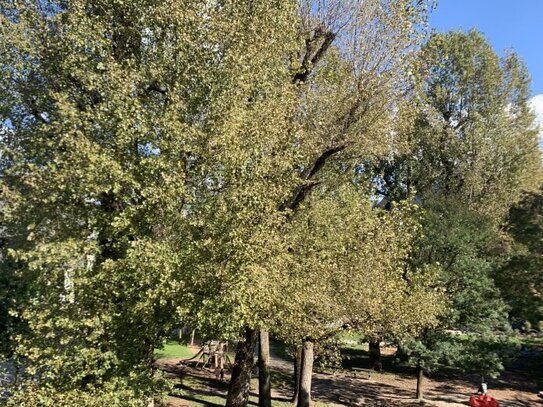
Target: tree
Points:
(465, 246)
(476, 135)
(348, 85)
(484, 355)
(264, 377)
(347, 270)
(128, 120)
(520, 278)
(339, 116)
(471, 154)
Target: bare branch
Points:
(312, 57)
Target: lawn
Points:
(173, 350)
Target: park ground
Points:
(198, 387)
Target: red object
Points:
(483, 401)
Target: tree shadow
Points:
(201, 386)
(195, 399)
(513, 380)
(197, 384)
(355, 391)
(359, 358)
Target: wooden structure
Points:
(214, 354)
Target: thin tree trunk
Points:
(420, 378)
(304, 396)
(297, 374)
(192, 338)
(17, 373)
(264, 380)
(240, 382)
(375, 356)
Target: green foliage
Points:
(173, 350)
(465, 353)
(465, 245)
(128, 119)
(11, 291)
(347, 268)
(117, 393)
(218, 162)
(475, 136)
(275, 245)
(471, 153)
(521, 277)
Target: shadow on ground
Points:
(198, 387)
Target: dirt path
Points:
(514, 389)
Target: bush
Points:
(119, 392)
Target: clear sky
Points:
(507, 24)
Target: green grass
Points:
(351, 337)
(173, 350)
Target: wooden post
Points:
(221, 362)
(420, 378)
(264, 380)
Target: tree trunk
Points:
(17, 374)
(264, 380)
(304, 392)
(297, 374)
(420, 377)
(375, 356)
(240, 382)
(192, 337)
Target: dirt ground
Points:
(514, 389)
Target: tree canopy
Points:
(294, 166)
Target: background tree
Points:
(520, 279)
(438, 349)
(347, 270)
(472, 139)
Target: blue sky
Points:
(507, 24)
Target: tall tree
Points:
(348, 76)
(471, 154)
(129, 119)
(347, 266)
